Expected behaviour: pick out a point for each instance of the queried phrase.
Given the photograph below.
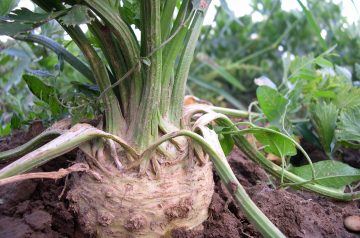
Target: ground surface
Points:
(39, 208)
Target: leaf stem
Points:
(222, 167)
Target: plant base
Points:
(127, 205)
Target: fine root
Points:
(78, 167)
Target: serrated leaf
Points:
(78, 14)
(329, 173)
(25, 15)
(348, 128)
(7, 5)
(348, 96)
(24, 20)
(44, 92)
(13, 28)
(324, 118)
(130, 12)
(272, 104)
(275, 144)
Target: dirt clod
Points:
(179, 210)
(38, 220)
(352, 223)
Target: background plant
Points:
(234, 52)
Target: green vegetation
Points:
(145, 138)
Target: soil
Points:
(38, 208)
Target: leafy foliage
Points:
(7, 5)
(324, 118)
(272, 104)
(78, 14)
(348, 127)
(44, 92)
(276, 144)
(130, 11)
(329, 173)
(317, 91)
(249, 48)
(24, 20)
(226, 140)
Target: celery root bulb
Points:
(129, 205)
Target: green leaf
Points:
(5, 130)
(26, 16)
(23, 20)
(323, 62)
(348, 128)
(130, 12)
(324, 118)
(13, 28)
(329, 173)
(226, 140)
(78, 14)
(272, 104)
(348, 96)
(15, 122)
(88, 90)
(7, 5)
(324, 94)
(44, 92)
(275, 144)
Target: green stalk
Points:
(66, 142)
(30, 145)
(166, 18)
(170, 53)
(62, 144)
(222, 167)
(128, 46)
(182, 71)
(234, 112)
(275, 170)
(115, 123)
(147, 121)
(59, 50)
(114, 58)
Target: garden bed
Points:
(39, 208)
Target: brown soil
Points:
(34, 208)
